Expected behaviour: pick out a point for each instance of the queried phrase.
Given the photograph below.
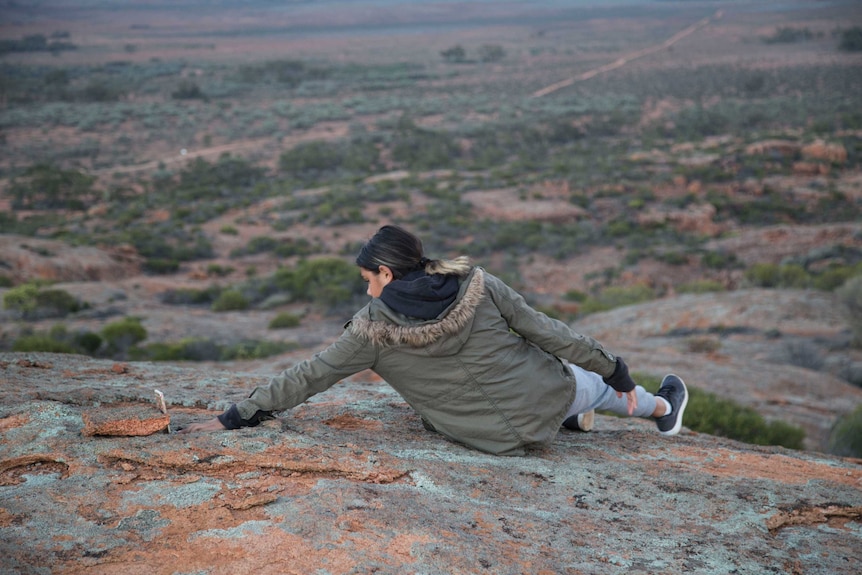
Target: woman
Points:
(465, 350)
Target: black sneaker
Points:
(674, 391)
(581, 421)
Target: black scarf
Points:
(421, 295)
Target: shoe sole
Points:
(581, 421)
(681, 409)
(586, 420)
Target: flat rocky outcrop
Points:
(350, 482)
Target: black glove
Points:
(620, 380)
(231, 418)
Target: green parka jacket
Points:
(487, 372)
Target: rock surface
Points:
(25, 258)
(350, 482)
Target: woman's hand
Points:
(212, 425)
(631, 400)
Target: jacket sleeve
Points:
(346, 356)
(549, 334)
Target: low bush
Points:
(31, 302)
(191, 349)
(160, 266)
(708, 413)
(329, 282)
(191, 296)
(789, 35)
(44, 186)
(122, 335)
(31, 343)
(218, 270)
(285, 320)
(796, 276)
(59, 340)
(846, 437)
(247, 350)
(230, 300)
(850, 296)
(617, 296)
(89, 342)
(851, 39)
(203, 349)
(719, 260)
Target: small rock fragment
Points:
(125, 421)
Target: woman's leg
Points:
(594, 393)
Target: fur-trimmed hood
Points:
(382, 326)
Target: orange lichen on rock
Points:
(124, 421)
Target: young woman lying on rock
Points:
(465, 350)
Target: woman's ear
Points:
(386, 274)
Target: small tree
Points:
(850, 295)
(454, 54)
(188, 90)
(491, 53)
(44, 186)
(123, 334)
(851, 40)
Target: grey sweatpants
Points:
(594, 393)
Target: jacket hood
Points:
(381, 325)
(421, 295)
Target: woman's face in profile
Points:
(376, 280)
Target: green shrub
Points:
(764, 275)
(6, 281)
(57, 303)
(255, 350)
(161, 266)
(700, 286)
(188, 90)
(796, 276)
(850, 296)
(455, 54)
(31, 302)
(329, 282)
(719, 260)
(30, 343)
(230, 300)
(202, 349)
(284, 320)
(190, 349)
(793, 276)
(491, 53)
(575, 295)
(21, 299)
(89, 342)
(421, 149)
(788, 35)
(617, 296)
(835, 276)
(218, 270)
(191, 296)
(121, 335)
(708, 413)
(846, 437)
(311, 159)
(851, 39)
(43, 186)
